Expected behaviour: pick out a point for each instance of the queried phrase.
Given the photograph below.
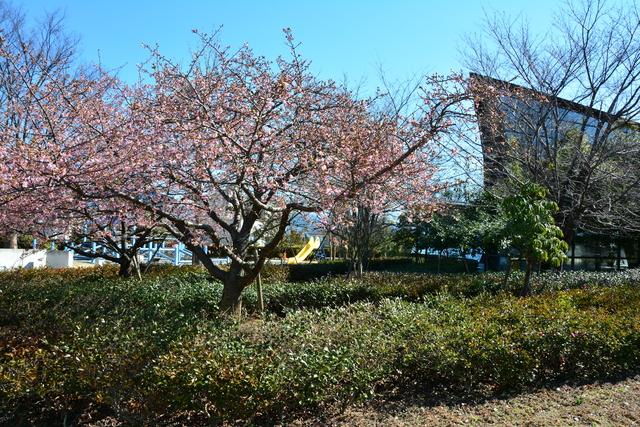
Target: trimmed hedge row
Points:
(309, 272)
(52, 297)
(139, 349)
(46, 299)
(153, 364)
(347, 354)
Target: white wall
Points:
(22, 258)
(59, 259)
(34, 258)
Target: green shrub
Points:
(74, 338)
(313, 271)
(311, 358)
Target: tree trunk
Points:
(195, 260)
(507, 273)
(136, 266)
(233, 284)
(356, 268)
(259, 285)
(526, 288)
(13, 241)
(260, 294)
(568, 233)
(231, 301)
(126, 267)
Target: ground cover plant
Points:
(85, 343)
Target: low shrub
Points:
(283, 297)
(338, 356)
(47, 300)
(306, 272)
(154, 351)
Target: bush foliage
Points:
(154, 351)
(309, 272)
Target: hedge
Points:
(338, 356)
(55, 295)
(313, 271)
(154, 351)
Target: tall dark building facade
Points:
(537, 135)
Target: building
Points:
(544, 132)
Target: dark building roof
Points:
(493, 135)
(558, 101)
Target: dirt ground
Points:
(601, 404)
(615, 403)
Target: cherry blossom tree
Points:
(410, 189)
(63, 141)
(107, 229)
(224, 151)
(31, 58)
(237, 144)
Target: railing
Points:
(170, 251)
(177, 254)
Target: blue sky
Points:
(352, 38)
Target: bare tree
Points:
(357, 228)
(30, 59)
(560, 109)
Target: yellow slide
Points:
(312, 244)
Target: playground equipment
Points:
(312, 244)
(166, 251)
